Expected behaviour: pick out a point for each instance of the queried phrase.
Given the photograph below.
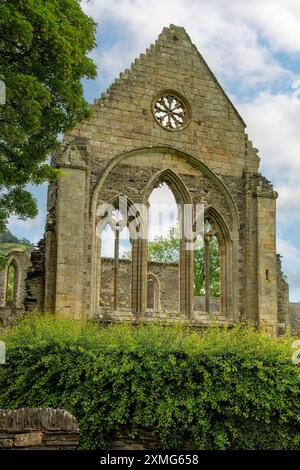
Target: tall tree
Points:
(43, 57)
(214, 269)
(8, 237)
(166, 250)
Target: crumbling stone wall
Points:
(167, 275)
(21, 260)
(29, 284)
(38, 429)
(10, 311)
(283, 300)
(215, 304)
(107, 283)
(294, 312)
(35, 280)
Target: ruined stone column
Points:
(70, 230)
(260, 254)
(266, 261)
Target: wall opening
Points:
(153, 293)
(163, 248)
(207, 271)
(115, 264)
(12, 284)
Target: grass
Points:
(6, 248)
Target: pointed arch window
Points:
(153, 293)
(12, 283)
(210, 268)
(170, 244)
(115, 261)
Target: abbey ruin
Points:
(166, 120)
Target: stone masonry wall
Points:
(168, 278)
(21, 261)
(107, 283)
(294, 312)
(38, 429)
(282, 299)
(214, 304)
(13, 309)
(167, 275)
(35, 280)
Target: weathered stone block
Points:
(31, 439)
(7, 443)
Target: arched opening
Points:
(211, 266)
(182, 195)
(207, 288)
(167, 250)
(164, 246)
(12, 286)
(115, 263)
(153, 293)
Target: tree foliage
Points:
(214, 268)
(10, 284)
(233, 389)
(43, 47)
(8, 237)
(9, 242)
(166, 250)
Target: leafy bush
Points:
(219, 390)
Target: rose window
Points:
(170, 112)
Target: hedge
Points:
(234, 389)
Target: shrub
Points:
(233, 389)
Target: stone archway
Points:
(106, 187)
(153, 293)
(12, 282)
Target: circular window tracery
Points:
(170, 112)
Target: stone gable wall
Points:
(122, 118)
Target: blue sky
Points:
(254, 50)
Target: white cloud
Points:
(227, 36)
(29, 228)
(112, 60)
(273, 125)
(288, 206)
(163, 213)
(278, 21)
